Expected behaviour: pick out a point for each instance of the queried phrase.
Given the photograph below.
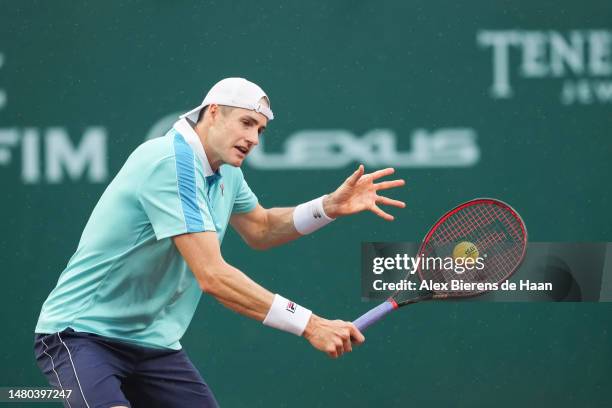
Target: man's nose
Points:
(253, 138)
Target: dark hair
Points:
(222, 108)
(202, 112)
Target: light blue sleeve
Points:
(169, 197)
(245, 198)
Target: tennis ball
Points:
(465, 249)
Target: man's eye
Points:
(245, 122)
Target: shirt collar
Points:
(191, 137)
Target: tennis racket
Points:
(490, 227)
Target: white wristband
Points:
(287, 315)
(310, 216)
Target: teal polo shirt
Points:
(127, 280)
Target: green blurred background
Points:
(103, 77)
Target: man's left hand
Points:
(359, 193)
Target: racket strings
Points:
(496, 232)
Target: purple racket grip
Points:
(374, 315)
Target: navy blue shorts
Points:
(103, 372)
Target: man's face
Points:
(234, 133)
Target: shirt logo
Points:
(291, 307)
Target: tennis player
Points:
(110, 329)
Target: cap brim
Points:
(193, 114)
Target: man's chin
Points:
(236, 162)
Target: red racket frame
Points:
(476, 201)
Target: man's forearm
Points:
(236, 290)
(280, 228)
(281, 223)
(215, 276)
(265, 228)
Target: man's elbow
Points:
(208, 285)
(256, 240)
(211, 281)
(258, 244)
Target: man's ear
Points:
(214, 110)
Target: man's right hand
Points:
(333, 337)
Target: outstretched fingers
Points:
(385, 185)
(382, 173)
(376, 210)
(390, 201)
(352, 180)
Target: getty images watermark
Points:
(429, 266)
(549, 272)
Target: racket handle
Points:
(374, 315)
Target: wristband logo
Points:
(291, 307)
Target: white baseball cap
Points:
(236, 92)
